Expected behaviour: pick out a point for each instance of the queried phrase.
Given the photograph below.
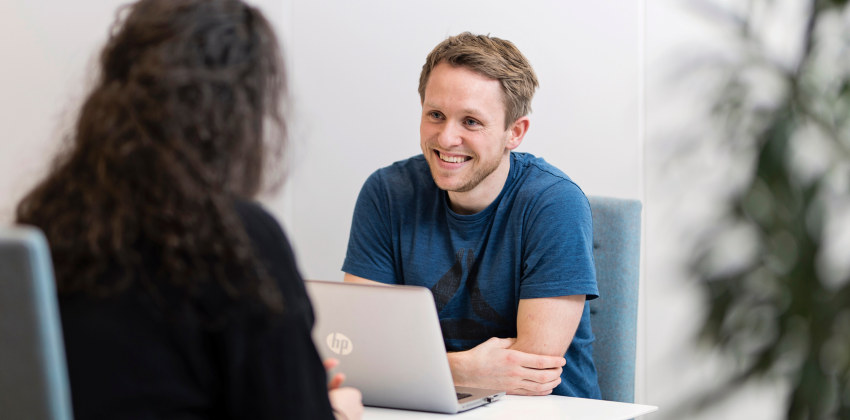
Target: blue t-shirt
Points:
(534, 240)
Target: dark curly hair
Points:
(184, 119)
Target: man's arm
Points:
(547, 325)
(529, 364)
(494, 365)
(532, 363)
(349, 278)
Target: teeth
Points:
(452, 159)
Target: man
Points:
(502, 239)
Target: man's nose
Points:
(449, 136)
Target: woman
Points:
(179, 296)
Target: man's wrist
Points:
(457, 364)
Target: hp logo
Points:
(339, 343)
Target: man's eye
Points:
(435, 115)
(470, 122)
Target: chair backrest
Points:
(613, 316)
(33, 375)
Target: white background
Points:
(605, 114)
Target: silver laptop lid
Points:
(388, 342)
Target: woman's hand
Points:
(338, 378)
(345, 401)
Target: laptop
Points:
(33, 377)
(389, 345)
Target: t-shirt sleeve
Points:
(558, 245)
(370, 245)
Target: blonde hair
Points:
(492, 57)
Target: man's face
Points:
(462, 132)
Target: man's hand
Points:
(493, 365)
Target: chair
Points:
(33, 375)
(613, 316)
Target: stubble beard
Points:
(475, 178)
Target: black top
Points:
(129, 360)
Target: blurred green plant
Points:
(782, 309)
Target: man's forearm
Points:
(546, 326)
(457, 363)
(493, 365)
(354, 279)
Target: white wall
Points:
(356, 68)
(49, 52)
(46, 52)
(354, 72)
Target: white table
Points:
(512, 407)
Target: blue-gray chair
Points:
(33, 375)
(616, 253)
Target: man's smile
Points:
(452, 158)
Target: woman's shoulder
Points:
(251, 212)
(271, 247)
(261, 227)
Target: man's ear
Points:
(517, 132)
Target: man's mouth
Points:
(452, 158)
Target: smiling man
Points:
(502, 239)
